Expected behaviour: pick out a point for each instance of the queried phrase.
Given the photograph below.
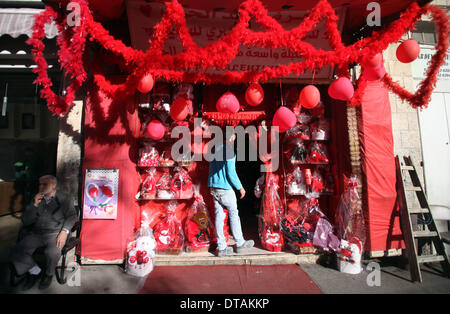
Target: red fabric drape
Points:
(378, 165)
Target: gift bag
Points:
(349, 256)
(198, 226)
(141, 251)
(324, 236)
(296, 152)
(169, 233)
(318, 153)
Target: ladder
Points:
(424, 217)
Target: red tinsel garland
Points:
(218, 55)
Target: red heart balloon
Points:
(145, 84)
(408, 51)
(180, 108)
(228, 103)
(284, 118)
(309, 97)
(254, 95)
(155, 130)
(341, 89)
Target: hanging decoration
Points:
(284, 119)
(145, 84)
(254, 95)
(155, 130)
(408, 51)
(180, 108)
(341, 89)
(309, 97)
(192, 65)
(228, 103)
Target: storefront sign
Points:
(100, 194)
(422, 63)
(207, 27)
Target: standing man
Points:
(47, 220)
(222, 179)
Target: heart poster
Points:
(100, 194)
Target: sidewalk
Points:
(99, 279)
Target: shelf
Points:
(320, 194)
(160, 166)
(162, 199)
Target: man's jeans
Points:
(226, 199)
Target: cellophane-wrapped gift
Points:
(141, 250)
(169, 232)
(295, 182)
(148, 156)
(198, 227)
(148, 186)
(163, 186)
(272, 210)
(181, 184)
(318, 153)
(351, 228)
(298, 225)
(296, 152)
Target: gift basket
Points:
(169, 232)
(272, 210)
(295, 182)
(198, 226)
(351, 229)
(298, 225)
(181, 184)
(163, 186)
(141, 251)
(148, 156)
(318, 153)
(300, 131)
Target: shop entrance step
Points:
(235, 259)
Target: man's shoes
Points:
(244, 247)
(46, 281)
(14, 279)
(30, 282)
(226, 251)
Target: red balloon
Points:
(309, 97)
(341, 89)
(155, 130)
(374, 73)
(145, 84)
(284, 118)
(254, 95)
(228, 103)
(179, 109)
(372, 62)
(408, 51)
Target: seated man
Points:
(48, 220)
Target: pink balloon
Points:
(155, 130)
(309, 97)
(408, 51)
(284, 118)
(228, 103)
(341, 89)
(374, 74)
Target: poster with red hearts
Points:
(100, 194)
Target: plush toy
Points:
(139, 261)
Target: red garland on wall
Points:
(219, 54)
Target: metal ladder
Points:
(424, 217)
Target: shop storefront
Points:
(196, 67)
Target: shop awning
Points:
(16, 22)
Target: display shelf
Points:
(319, 194)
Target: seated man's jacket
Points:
(46, 218)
